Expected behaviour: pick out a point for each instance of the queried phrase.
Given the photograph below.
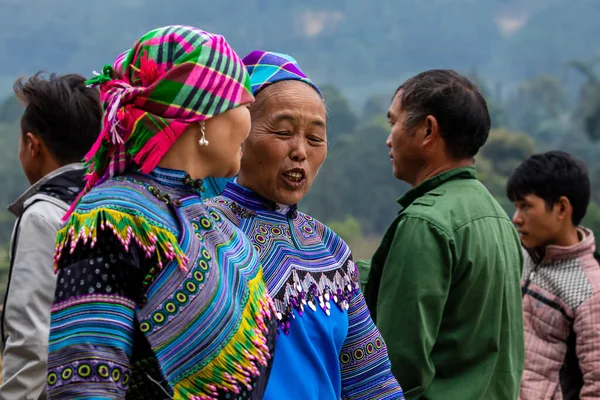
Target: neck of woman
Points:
(184, 156)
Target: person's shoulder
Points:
(125, 208)
(590, 261)
(474, 196)
(123, 192)
(591, 236)
(44, 209)
(127, 195)
(309, 225)
(432, 210)
(38, 226)
(457, 204)
(469, 192)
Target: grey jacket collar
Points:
(18, 206)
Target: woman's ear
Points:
(33, 144)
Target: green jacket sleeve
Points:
(363, 272)
(414, 288)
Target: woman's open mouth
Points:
(294, 177)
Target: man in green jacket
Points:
(444, 285)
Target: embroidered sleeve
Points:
(366, 368)
(92, 322)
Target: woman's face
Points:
(287, 144)
(225, 134)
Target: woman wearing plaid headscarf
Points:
(157, 296)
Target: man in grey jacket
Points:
(61, 121)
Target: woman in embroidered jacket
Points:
(157, 296)
(328, 347)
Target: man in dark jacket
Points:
(61, 121)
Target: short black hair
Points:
(456, 103)
(63, 111)
(550, 176)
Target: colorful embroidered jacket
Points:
(328, 347)
(157, 298)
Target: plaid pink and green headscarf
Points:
(172, 77)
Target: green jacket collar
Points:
(432, 183)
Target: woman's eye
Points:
(283, 133)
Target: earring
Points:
(203, 141)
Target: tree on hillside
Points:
(498, 114)
(341, 118)
(588, 108)
(376, 106)
(506, 150)
(499, 157)
(539, 108)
